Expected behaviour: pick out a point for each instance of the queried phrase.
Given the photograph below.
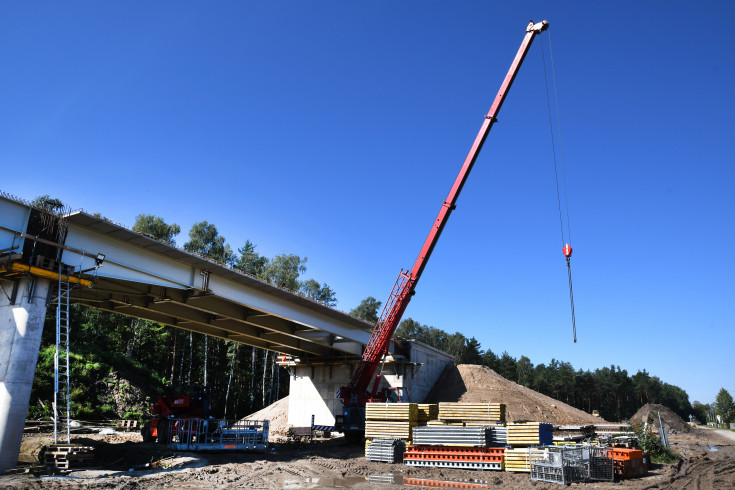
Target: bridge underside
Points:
(203, 312)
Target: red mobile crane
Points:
(356, 394)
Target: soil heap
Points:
(670, 419)
(277, 413)
(478, 384)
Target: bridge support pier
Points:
(21, 326)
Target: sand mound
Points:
(476, 384)
(277, 413)
(670, 419)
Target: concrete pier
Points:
(21, 326)
(313, 388)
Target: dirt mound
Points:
(670, 419)
(476, 384)
(277, 413)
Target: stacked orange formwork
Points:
(476, 458)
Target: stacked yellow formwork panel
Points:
(390, 420)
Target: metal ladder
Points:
(61, 358)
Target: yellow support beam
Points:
(37, 271)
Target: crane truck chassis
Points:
(354, 396)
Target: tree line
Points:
(611, 390)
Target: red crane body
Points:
(356, 393)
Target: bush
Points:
(651, 444)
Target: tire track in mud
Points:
(700, 473)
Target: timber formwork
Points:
(475, 413)
(530, 434)
(394, 420)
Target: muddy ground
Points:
(707, 461)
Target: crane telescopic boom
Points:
(356, 393)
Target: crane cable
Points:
(567, 248)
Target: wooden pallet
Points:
(392, 411)
(67, 456)
(128, 425)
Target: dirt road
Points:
(708, 461)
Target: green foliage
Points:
(284, 270)
(48, 203)
(465, 351)
(724, 406)
(368, 310)
(250, 261)
(156, 227)
(205, 240)
(651, 444)
(312, 289)
(700, 411)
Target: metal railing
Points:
(217, 434)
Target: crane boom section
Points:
(406, 283)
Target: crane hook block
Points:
(567, 250)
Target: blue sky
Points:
(334, 130)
